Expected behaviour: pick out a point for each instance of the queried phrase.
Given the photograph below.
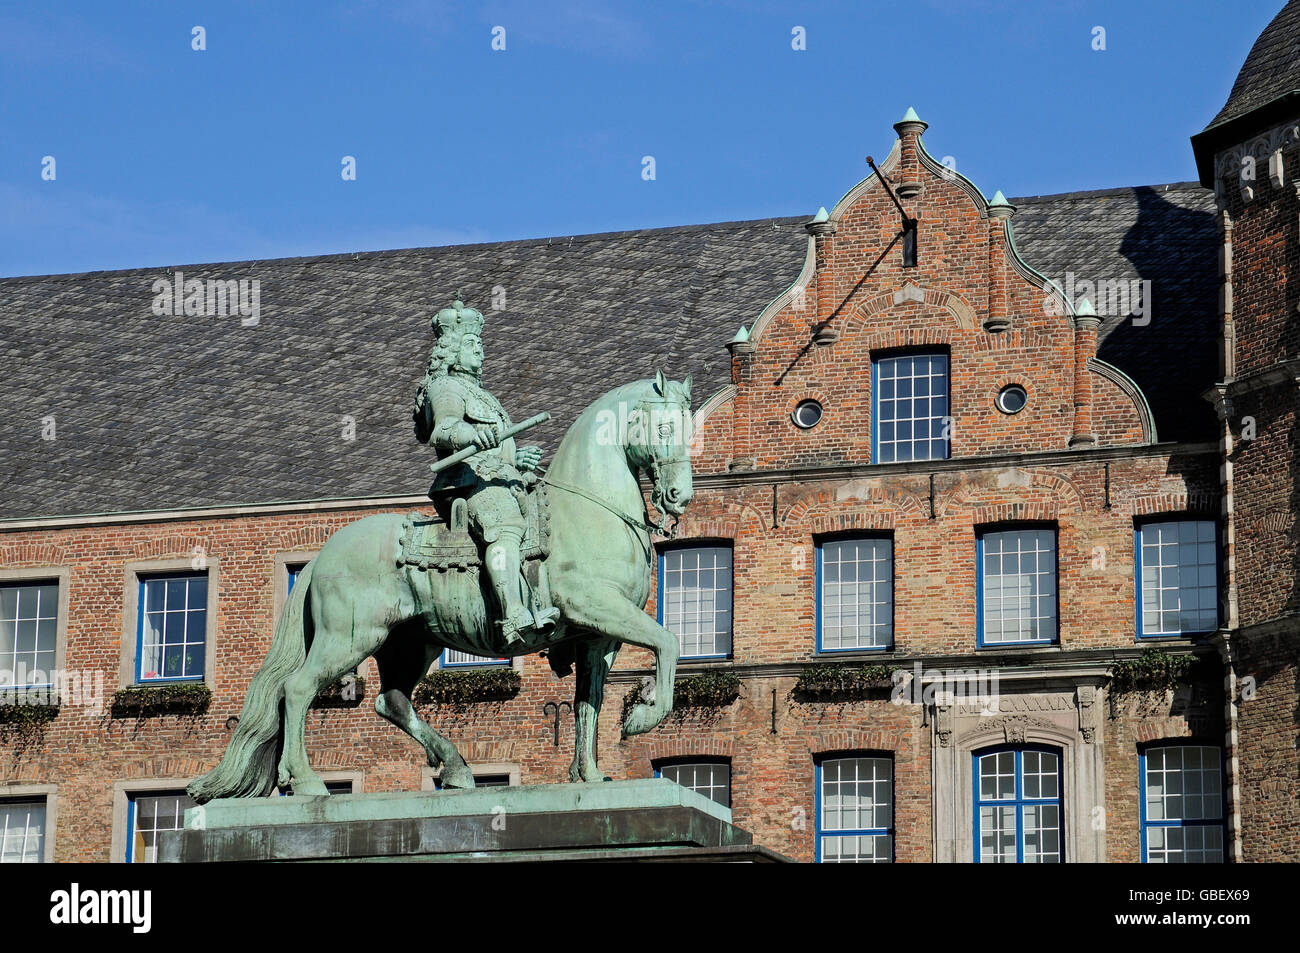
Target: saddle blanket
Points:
(429, 543)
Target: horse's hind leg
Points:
(332, 654)
(402, 664)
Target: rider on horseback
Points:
(453, 411)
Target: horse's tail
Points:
(248, 768)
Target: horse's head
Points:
(660, 441)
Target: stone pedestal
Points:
(644, 820)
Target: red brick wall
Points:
(965, 281)
(1266, 325)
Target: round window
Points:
(807, 414)
(1012, 399)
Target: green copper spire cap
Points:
(822, 215)
(999, 207)
(1084, 309)
(911, 123)
(742, 335)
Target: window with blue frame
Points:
(454, 658)
(695, 599)
(855, 594)
(333, 787)
(172, 627)
(1177, 577)
(1018, 810)
(293, 570)
(146, 815)
(710, 778)
(482, 781)
(909, 408)
(1181, 804)
(1015, 586)
(29, 621)
(855, 810)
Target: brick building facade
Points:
(922, 460)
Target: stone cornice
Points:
(211, 512)
(812, 474)
(734, 478)
(1026, 665)
(1280, 374)
(1261, 147)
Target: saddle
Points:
(430, 543)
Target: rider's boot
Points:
(502, 560)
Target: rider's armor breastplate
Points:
(480, 408)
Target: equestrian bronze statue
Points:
(515, 562)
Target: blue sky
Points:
(165, 155)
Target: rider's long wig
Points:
(450, 325)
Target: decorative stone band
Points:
(1258, 159)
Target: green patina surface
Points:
(643, 794)
(361, 598)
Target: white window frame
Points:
(823, 833)
(677, 765)
(1182, 823)
(1160, 572)
(131, 615)
(875, 588)
(62, 577)
(668, 619)
(124, 795)
(429, 776)
(1028, 586)
(38, 792)
(885, 443)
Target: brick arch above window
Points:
(691, 530)
(310, 537)
(165, 767)
(957, 307)
(171, 547)
(1203, 503)
(1063, 497)
(902, 338)
(885, 507)
(859, 742)
(22, 555)
(701, 747)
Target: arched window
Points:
(1019, 817)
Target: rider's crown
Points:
(457, 319)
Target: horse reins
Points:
(668, 532)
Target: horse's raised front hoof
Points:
(641, 719)
(459, 778)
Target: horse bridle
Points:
(661, 526)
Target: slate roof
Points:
(157, 413)
(1165, 235)
(1272, 67)
(171, 412)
